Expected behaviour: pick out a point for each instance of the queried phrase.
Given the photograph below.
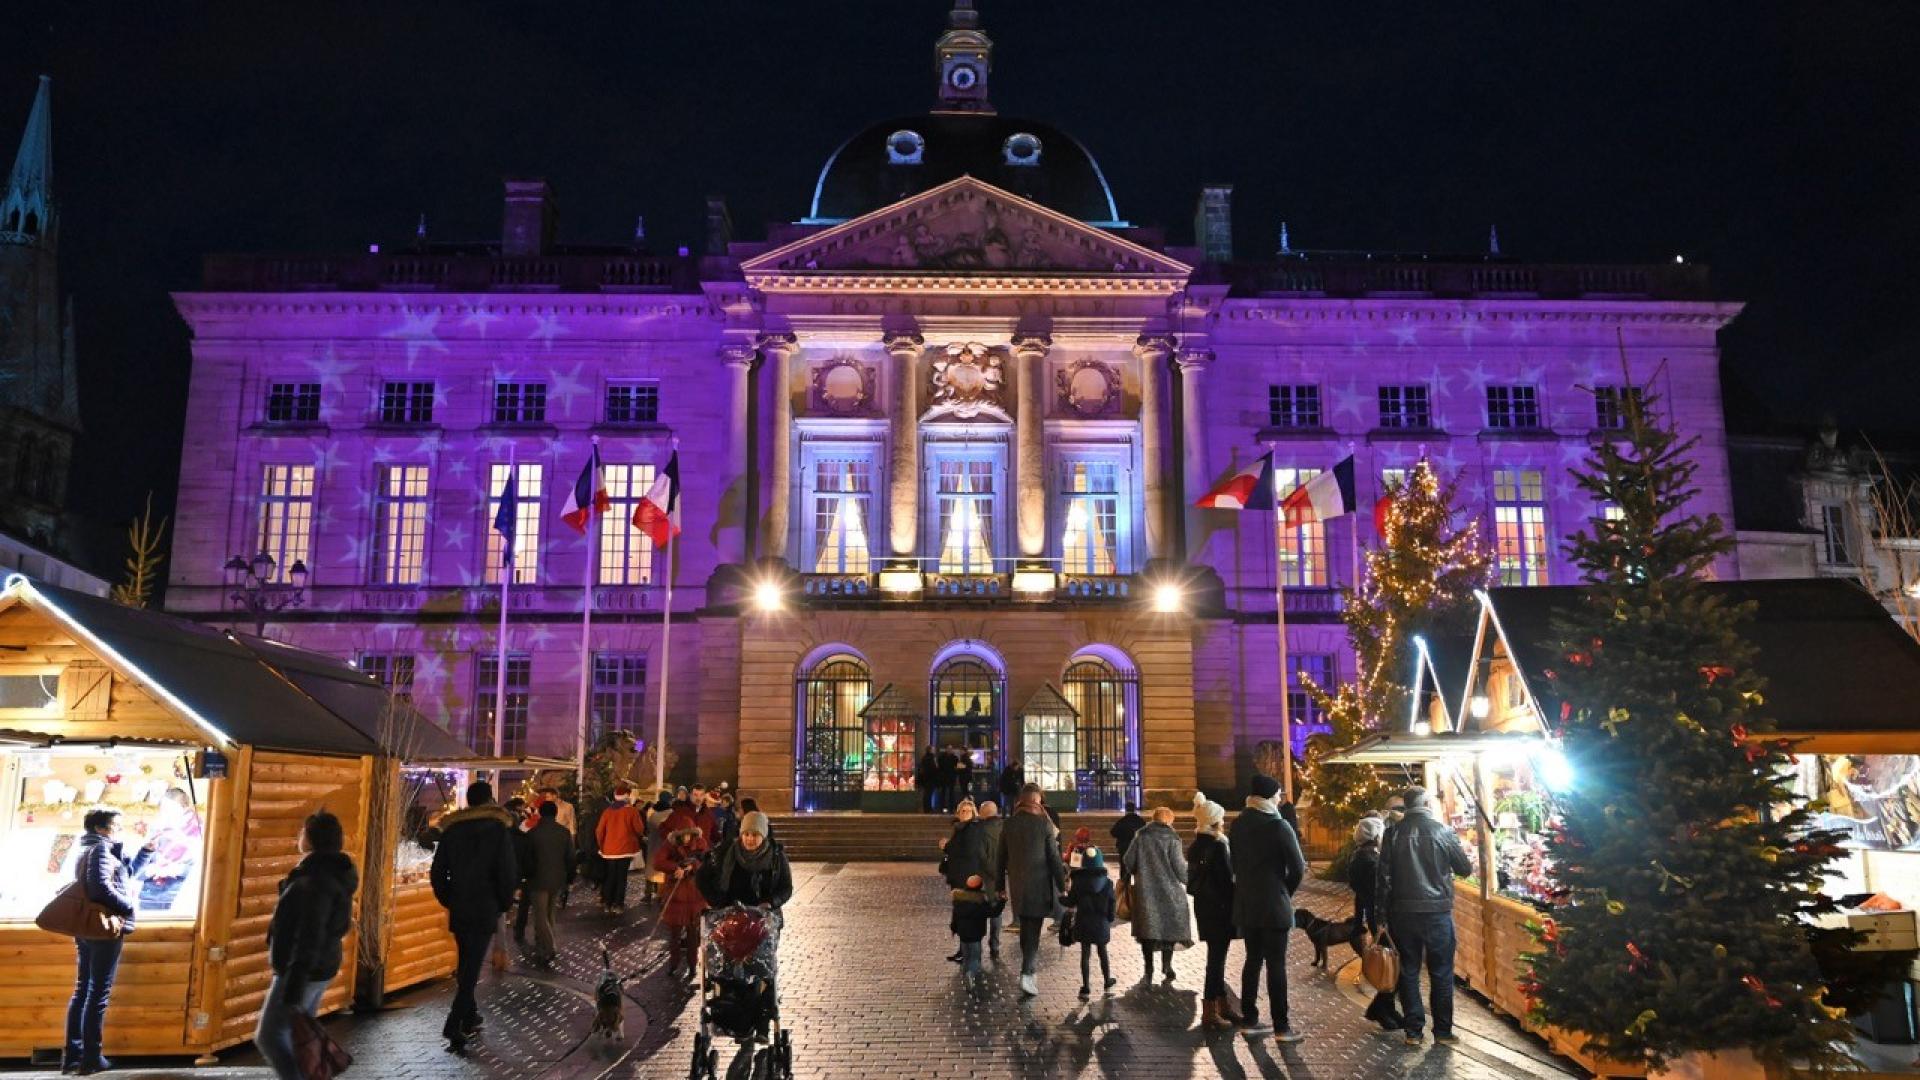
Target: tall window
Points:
(633, 402)
(1303, 537)
(1301, 708)
(286, 516)
(1513, 408)
(619, 690)
(830, 762)
(406, 403)
(526, 539)
(293, 403)
(966, 516)
(1106, 735)
(1833, 535)
(519, 402)
(1090, 495)
(842, 514)
(400, 525)
(513, 730)
(1405, 407)
(626, 553)
(391, 670)
(1520, 527)
(1293, 406)
(1610, 406)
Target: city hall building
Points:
(939, 441)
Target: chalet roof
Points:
(246, 690)
(1834, 659)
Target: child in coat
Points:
(973, 909)
(677, 859)
(1090, 895)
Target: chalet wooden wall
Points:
(419, 946)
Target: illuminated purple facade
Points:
(951, 419)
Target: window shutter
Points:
(86, 687)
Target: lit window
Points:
(1293, 406)
(842, 515)
(526, 538)
(633, 403)
(1303, 537)
(1090, 535)
(286, 517)
(293, 403)
(406, 403)
(1612, 405)
(400, 525)
(1513, 408)
(966, 516)
(1302, 710)
(626, 553)
(1520, 527)
(1405, 407)
(1050, 751)
(513, 725)
(619, 690)
(391, 670)
(519, 403)
(1391, 479)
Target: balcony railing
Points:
(1351, 275)
(375, 271)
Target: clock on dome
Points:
(963, 77)
(962, 58)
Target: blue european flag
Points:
(507, 518)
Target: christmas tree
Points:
(1680, 868)
(1420, 580)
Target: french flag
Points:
(1248, 489)
(588, 497)
(1328, 495)
(658, 514)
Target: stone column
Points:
(778, 350)
(1030, 356)
(1193, 443)
(903, 472)
(738, 357)
(1153, 350)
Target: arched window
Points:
(1107, 735)
(830, 760)
(968, 712)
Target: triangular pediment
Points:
(963, 227)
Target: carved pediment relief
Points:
(1089, 388)
(965, 226)
(969, 382)
(842, 386)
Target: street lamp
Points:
(254, 591)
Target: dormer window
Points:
(1022, 148)
(905, 148)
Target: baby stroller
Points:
(740, 994)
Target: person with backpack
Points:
(1090, 898)
(303, 940)
(474, 877)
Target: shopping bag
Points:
(1380, 964)
(315, 1053)
(1123, 904)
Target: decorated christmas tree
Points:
(1680, 865)
(1420, 580)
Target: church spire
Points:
(26, 207)
(962, 58)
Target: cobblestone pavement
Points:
(867, 992)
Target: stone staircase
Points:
(890, 837)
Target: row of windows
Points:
(1510, 407)
(616, 701)
(412, 402)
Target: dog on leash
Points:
(1325, 934)
(609, 1019)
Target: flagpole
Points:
(666, 667)
(586, 626)
(1280, 633)
(506, 582)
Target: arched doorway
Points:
(967, 714)
(830, 758)
(1106, 696)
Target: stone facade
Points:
(941, 452)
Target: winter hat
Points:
(1208, 815)
(1264, 786)
(1368, 829)
(1091, 859)
(755, 822)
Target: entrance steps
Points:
(852, 837)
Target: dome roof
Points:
(897, 158)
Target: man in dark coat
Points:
(549, 871)
(474, 876)
(1123, 832)
(1031, 875)
(944, 776)
(1267, 868)
(991, 825)
(1415, 887)
(925, 776)
(1012, 779)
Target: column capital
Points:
(904, 345)
(1194, 360)
(779, 343)
(1027, 346)
(1153, 347)
(737, 354)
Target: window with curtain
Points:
(400, 525)
(1303, 537)
(842, 514)
(626, 553)
(619, 694)
(526, 538)
(513, 725)
(1520, 526)
(966, 511)
(1091, 500)
(286, 517)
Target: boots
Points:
(1213, 1015)
(1230, 1008)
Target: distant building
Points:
(953, 420)
(18, 556)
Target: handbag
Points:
(1380, 964)
(1066, 925)
(1123, 904)
(315, 1053)
(71, 914)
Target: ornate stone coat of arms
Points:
(969, 380)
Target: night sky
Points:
(1779, 142)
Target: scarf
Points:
(1265, 806)
(753, 862)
